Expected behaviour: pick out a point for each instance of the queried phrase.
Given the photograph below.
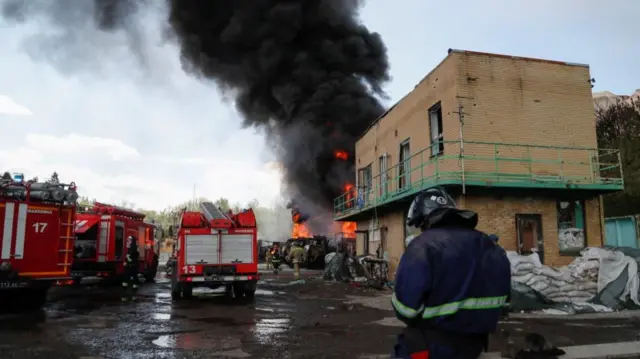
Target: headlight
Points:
(5, 266)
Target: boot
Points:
(125, 289)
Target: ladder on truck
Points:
(216, 218)
(211, 212)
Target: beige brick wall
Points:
(524, 101)
(394, 241)
(505, 99)
(409, 120)
(497, 215)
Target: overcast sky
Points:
(149, 135)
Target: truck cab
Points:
(216, 249)
(36, 239)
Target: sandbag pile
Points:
(575, 283)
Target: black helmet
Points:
(425, 203)
(435, 208)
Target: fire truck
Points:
(101, 232)
(215, 249)
(36, 239)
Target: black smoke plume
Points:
(308, 72)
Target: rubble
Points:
(359, 269)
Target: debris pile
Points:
(371, 270)
(605, 277)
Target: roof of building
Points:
(468, 52)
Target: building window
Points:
(364, 184)
(383, 181)
(435, 127)
(404, 165)
(571, 226)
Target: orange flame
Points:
(300, 230)
(349, 228)
(341, 155)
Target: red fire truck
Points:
(36, 239)
(216, 249)
(101, 231)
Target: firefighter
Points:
(130, 281)
(268, 257)
(296, 256)
(451, 282)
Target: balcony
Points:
(488, 164)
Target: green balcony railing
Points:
(487, 164)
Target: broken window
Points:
(435, 126)
(571, 225)
(383, 181)
(364, 183)
(404, 165)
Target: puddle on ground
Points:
(161, 316)
(197, 341)
(266, 330)
(264, 292)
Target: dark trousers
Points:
(130, 283)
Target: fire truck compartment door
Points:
(237, 248)
(31, 234)
(201, 249)
(83, 225)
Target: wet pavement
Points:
(315, 319)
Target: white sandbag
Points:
(569, 238)
(516, 259)
(578, 294)
(522, 278)
(551, 290)
(587, 286)
(539, 286)
(524, 266)
(537, 279)
(561, 299)
(520, 272)
(559, 283)
(568, 288)
(552, 273)
(557, 294)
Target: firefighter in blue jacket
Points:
(451, 283)
(131, 266)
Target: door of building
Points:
(529, 234)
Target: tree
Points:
(222, 203)
(7, 176)
(618, 127)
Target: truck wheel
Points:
(176, 288)
(250, 294)
(34, 299)
(229, 291)
(187, 292)
(150, 274)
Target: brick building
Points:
(511, 138)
